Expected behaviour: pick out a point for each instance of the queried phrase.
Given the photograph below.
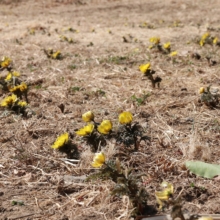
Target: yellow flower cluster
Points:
(207, 38)
(10, 75)
(61, 141)
(53, 54)
(22, 88)
(9, 101)
(13, 100)
(11, 81)
(164, 48)
(64, 38)
(104, 128)
(89, 128)
(204, 38)
(146, 25)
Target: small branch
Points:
(24, 216)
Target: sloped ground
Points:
(99, 72)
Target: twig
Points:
(23, 216)
(70, 163)
(44, 173)
(179, 194)
(70, 160)
(37, 203)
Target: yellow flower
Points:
(144, 24)
(155, 40)
(215, 40)
(9, 75)
(105, 127)
(201, 90)
(22, 104)
(22, 87)
(87, 130)
(5, 62)
(205, 218)
(173, 54)
(64, 38)
(9, 101)
(98, 160)
(165, 194)
(88, 116)
(144, 67)
(202, 42)
(56, 55)
(70, 40)
(14, 89)
(61, 141)
(167, 45)
(205, 36)
(16, 74)
(125, 118)
(32, 31)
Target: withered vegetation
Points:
(100, 72)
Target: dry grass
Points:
(103, 77)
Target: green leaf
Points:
(17, 203)
(206, 170)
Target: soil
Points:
(99, 71)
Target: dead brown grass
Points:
(180, 128)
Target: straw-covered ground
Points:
(99, 71)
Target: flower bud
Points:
(201, 90)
